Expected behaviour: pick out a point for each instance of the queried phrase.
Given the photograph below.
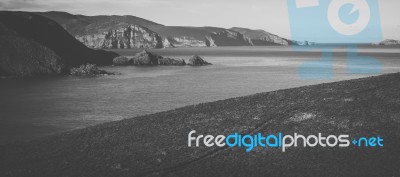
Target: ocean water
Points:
(33, 108)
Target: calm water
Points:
(39, 107)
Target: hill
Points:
(85, 25)
(39, 37)
(157, 144)
(261, 37)
(97, 29)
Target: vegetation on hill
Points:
(50, 34)
(34, 45)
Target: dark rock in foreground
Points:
(157, 144)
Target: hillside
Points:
(35, 45)
(50, 34)
(261, 37)
(85, 25)
(157, 144)
(23, 57)
(94, 30)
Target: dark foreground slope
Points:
(52, 36)
(156, 145)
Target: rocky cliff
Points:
(228, 38)
(113, 32)
(261, 37)
(196, 60)
(390, 42)
(133, 36)
(35, 45)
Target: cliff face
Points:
(228, 38)
(133, 36)
(112, 32)
(261, 37)
(184, 41)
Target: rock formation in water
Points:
(121, 61)
(88, 70)
(150, 59)
(185, 41)
(196, 60)
(132, 36)
(30, 41)
(145, 58)
(390, 42)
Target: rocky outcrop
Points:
(228, 38)
(150, 59)
(210, 42)
(196, 60)
(34, 45)
(167, 43)
(88, 70)
(261, 37)
(390, 42)
(145, 58)
(133, 36)
(121, 61)
(186, 41)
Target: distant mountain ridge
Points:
(88, 29)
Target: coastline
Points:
(156, 144)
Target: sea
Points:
(37, 107)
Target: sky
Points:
(269, 15)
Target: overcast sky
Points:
(270, 15)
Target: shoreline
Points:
(155, 144)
